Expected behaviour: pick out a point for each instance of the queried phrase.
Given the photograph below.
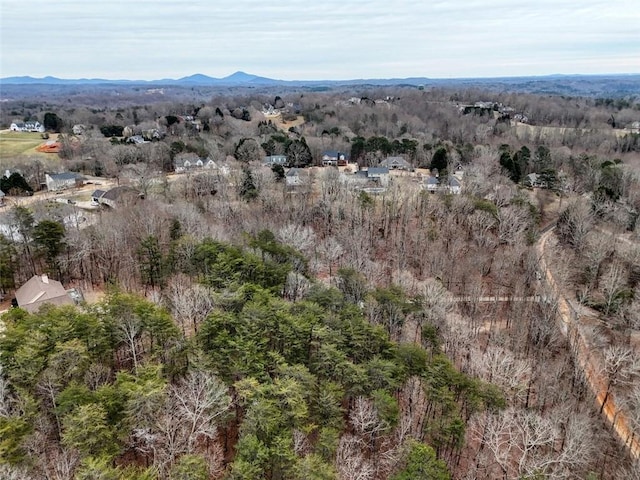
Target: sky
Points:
(317, 39)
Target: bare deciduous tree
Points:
(331, 250)
(351, 463)
(297, 236)
(613, 284)
(621, 367)
(575, 223)
(190, 302)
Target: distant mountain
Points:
(198, 79)
(26, 80)
(237, 78)
(576, 85)
(242, 77)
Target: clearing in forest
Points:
(14, 144)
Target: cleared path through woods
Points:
(569, 323)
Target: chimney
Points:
(45, 278)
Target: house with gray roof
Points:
(62, 181)
(117, 197)
(454, 185)
(432, 184)
(271, 160)
(396, 163)
(293, 177)
(378, 174)
(371, 177)
(185, 162)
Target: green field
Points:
(15, 144)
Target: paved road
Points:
(97, 183)
(104, 184)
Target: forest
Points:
(240, 325)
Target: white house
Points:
(431, 184)
(378, 174)
(334, 158)
(62, 181)
(271, 160)
(209, 164)
(186, 162)
(293, 177)
(29, 126)
(454, 185)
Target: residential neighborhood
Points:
(363, 281)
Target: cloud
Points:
(295, 39)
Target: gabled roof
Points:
(377, 171)
(64, 176)
(454, 182)
(393, 161)
(39, 290)
(98, 193)
(335, 154)
(115, 193)
(136, 139)
(293, 172)
(432, 181)
(275, 158)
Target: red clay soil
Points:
(588, 362)
(49, 147)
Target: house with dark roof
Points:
(39, 290)
(62, 181)
(117, 197)
(96, 195)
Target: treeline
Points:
(266, 388)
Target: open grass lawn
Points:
(14, 144)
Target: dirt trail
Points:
(568, 321)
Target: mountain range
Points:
(238, 78)
(588, 85)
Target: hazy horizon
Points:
(331, 40)
(605, 74)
